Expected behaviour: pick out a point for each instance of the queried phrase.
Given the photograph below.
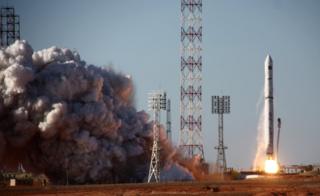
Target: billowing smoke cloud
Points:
(61, 116)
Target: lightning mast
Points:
(9, 26)
(220, 106)
(156, 103)
(190, 141)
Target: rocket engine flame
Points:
(271, 166)
(58, 114)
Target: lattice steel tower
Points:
(9, 26)
(220, 106)
(169, 136)
(190, 142)
(156, 103)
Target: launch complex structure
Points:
(190, 141)
(190, 137)
(9, 26)
(157, 102)
(220, 106)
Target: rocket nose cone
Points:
(268, 60)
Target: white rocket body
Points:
(269, 116)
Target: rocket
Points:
(268, 93)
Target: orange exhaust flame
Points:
(271, 166)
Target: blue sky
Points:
(142, 38)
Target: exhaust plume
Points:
(60, 115)
(262, 142)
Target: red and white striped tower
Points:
(190, 141)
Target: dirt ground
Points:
(261, 186)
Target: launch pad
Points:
(279, 185)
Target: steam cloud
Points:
(60, 115)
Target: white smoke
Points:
(60, 115)
(42, 57)
(16, 77)
(49, 126)
(262, 142)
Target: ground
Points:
(271, 185)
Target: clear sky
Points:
(142, 38)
